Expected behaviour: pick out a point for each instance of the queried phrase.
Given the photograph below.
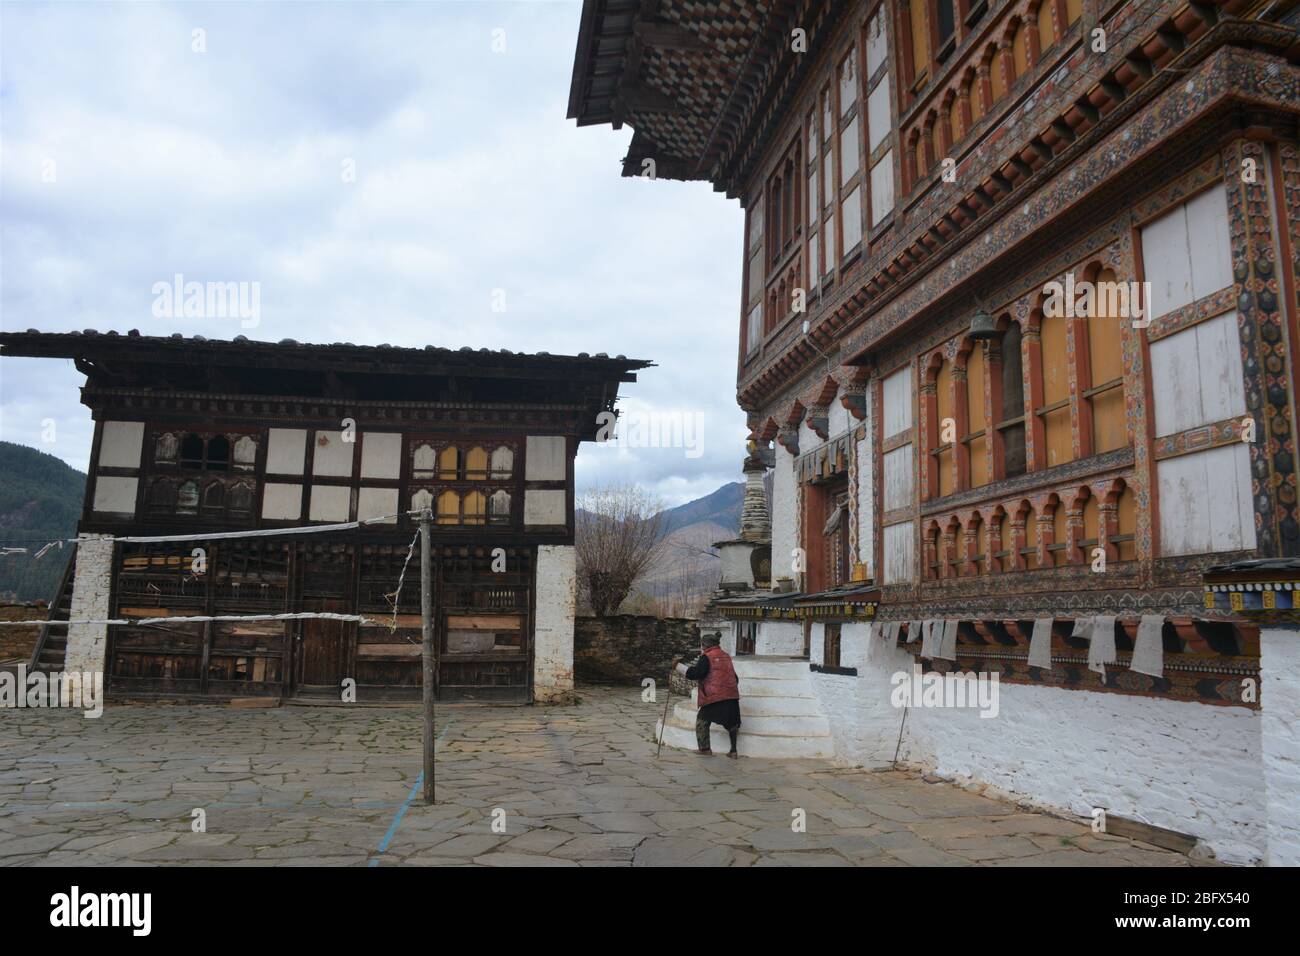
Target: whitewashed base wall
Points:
(92, 586)
(780, 638)
(553, 624)
(1195, 768)
(1280, 732)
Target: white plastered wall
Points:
(1280, 733)
(1190, 767)
(553, 624)
(783, 514)
(92, 587)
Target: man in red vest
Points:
(718, 692)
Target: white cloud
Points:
(227, 166)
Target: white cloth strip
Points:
(913, 631)
(1082, 628)
(298, 616)
(258, 533)
(1040, 644)
(928, 642)
(396, 596)
(41, 553)
(948, 643)
(1101, 646)
(891, 633)
(1149, 648)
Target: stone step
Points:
(770, 706)
(750, 703)
(748, 745)
(768, 687)
(765, 667)
(781, 725)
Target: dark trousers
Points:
(724, 712)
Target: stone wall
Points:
(17, 643)
(626, 648)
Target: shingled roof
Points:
(91, 345)
(701, 81)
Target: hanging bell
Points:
(982, 325)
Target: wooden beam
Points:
(1171, 38)
(1113, 88)
(666, 35)
(1141, 64)
(644, 99)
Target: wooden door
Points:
(323, 651)
(745, 641)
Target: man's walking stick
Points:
(668, 686)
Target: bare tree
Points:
(698, 574)
(619, 534)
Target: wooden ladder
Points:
(52, 647)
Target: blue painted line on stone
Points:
(415, 788)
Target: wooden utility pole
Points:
(426, 623)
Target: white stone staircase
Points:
(780, 716)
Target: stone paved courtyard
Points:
(579, 785)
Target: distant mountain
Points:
(40, 501)
(722, 507)
(688, 570)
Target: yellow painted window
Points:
(1106, 364)
(1091, 525)
(1020, 51)
(1060, 535)
(1126, 520)
(920, 26)
(449, 463)
(476, 464)
(944, 404)
(977, 443)
(475, 507)
(1046, 34)
(1073, 10)
(997, 78)
(1055, 410)
(976, 94)
(1031, 540)
(448, 508)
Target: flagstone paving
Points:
(565, 786)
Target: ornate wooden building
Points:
(1017, 328)
(196, 437)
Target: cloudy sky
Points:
(127, 157)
